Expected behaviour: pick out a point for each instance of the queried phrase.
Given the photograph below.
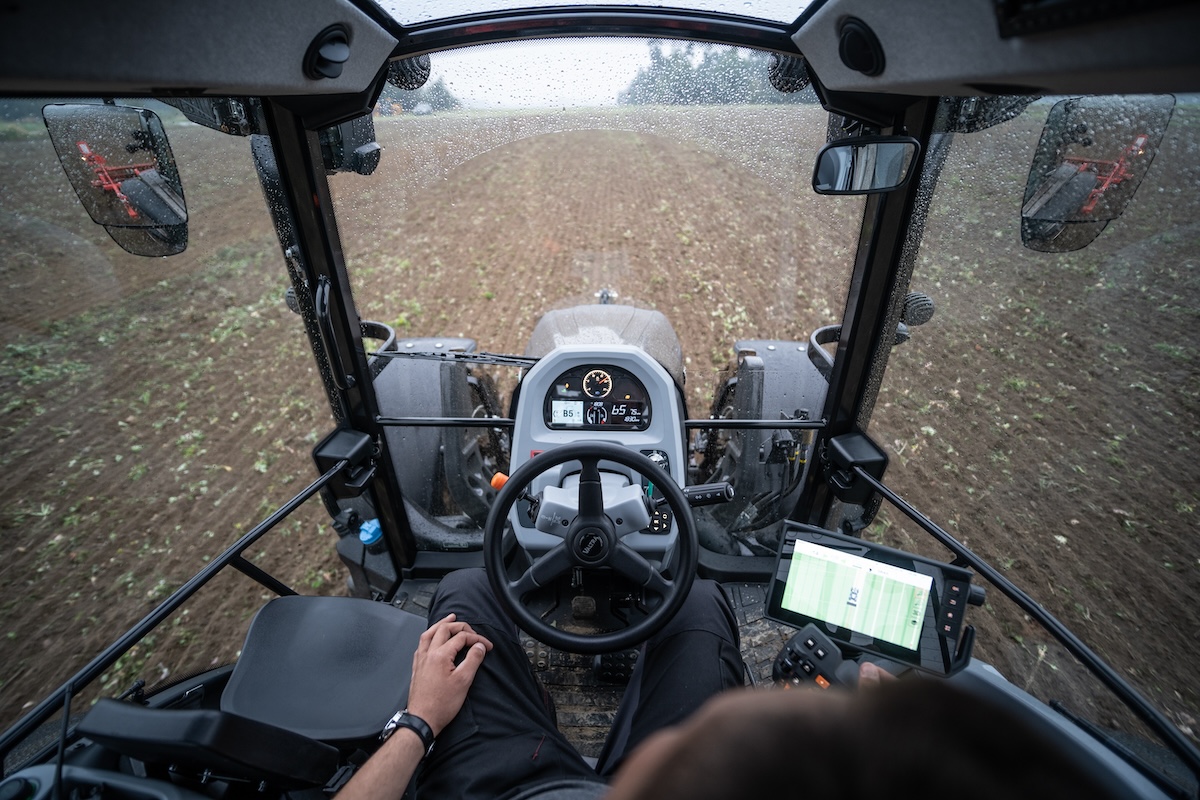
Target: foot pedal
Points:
(537, 653)
(539, 660)
(615, 667)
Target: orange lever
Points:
(498, 481)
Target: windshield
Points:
(1047, 415)
(530, 178)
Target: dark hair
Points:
(905, 738)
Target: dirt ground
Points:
(155, 410)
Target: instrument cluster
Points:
(596, 398)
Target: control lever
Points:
(707, 494)
(812, 658)
(703, 494)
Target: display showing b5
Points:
(873, 599)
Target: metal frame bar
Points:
(756, 424)
(307, 195)
(690, 424)
(864, 338)
(268, 580)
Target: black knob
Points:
(327, 53)
(860, 49)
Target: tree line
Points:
(433, 96)
(705, 75)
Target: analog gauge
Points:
(597, 415)
(597, 383)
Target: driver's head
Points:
(911, 738)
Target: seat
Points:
(224, 744)
(333, 669)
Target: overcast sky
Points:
(547, 74)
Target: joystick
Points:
(811, 657)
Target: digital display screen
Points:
(597, 398)
(566, 412)
(869, 597)
(873, 599)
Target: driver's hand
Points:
(439, 686)
(871, 675)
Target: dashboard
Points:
(617, 394)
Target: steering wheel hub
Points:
(590, 546)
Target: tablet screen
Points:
(870, 597)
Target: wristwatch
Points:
(403, 719)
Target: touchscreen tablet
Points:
(872, 598)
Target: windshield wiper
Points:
(497, 359)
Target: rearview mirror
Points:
(1092, 156)
(864, 165)
(120, 164)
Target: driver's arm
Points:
(436, 694)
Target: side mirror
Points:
(865, 165)
(119, 162)
(1092, 156)
(351, 147)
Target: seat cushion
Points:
(330, 668)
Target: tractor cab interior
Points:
(604, 300)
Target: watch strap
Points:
(403, 719)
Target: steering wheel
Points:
(590, 542)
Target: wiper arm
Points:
(470, 358)
(1143, 766)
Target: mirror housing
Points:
(120, 164)
(350, 146)
(1090, 160)
(865, 165)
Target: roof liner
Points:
(219, 47)
(232, 47)
(953, 47)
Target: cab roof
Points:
(927, 47)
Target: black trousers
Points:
(505, 740)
